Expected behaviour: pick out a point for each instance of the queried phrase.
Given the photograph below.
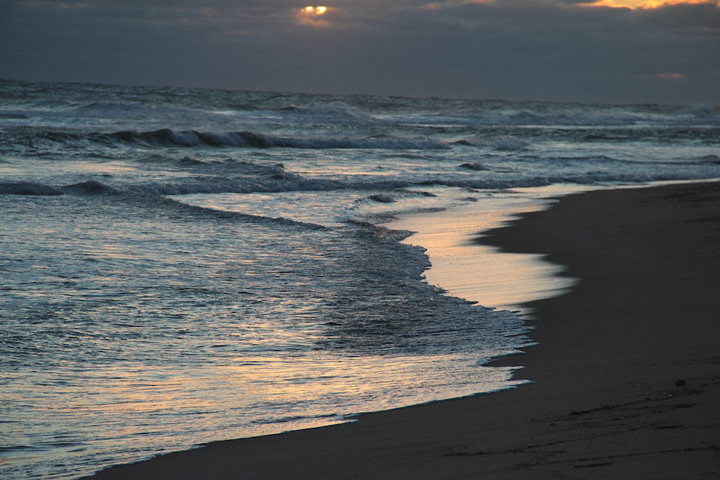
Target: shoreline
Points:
(626, 377)
(473, 271)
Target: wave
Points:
(28, 188)
(91, 187)
(509, 114)
(503, 143)
(596, 116)
(608, 160)
(331, 113)
(475, 166)
(233, 176)
(385, 191)
(709, 159)
(13, 115)
(147, 194)
(191, 138)
(227, 165)
(382, 198)
(244, 217)
(254, 178)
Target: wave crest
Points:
(167, 137)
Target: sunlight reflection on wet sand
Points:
(480, 273)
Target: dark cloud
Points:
(518, 49)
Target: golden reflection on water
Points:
(138, 399)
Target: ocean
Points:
(179, 266)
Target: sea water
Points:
(179, 266)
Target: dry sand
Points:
(626, 374)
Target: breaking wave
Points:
(191, 138)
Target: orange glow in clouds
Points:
(644, 4)
(673, 76)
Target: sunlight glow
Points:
(644, 4)
(310, 10)
(311, 15)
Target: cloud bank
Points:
(564, 50)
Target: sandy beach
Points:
(625, 376)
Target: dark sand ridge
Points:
(626, 374)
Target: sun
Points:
(317, 11)
(313, 15)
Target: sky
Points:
(609, 51)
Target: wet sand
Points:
(626, 373)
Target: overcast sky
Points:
(621, 51)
